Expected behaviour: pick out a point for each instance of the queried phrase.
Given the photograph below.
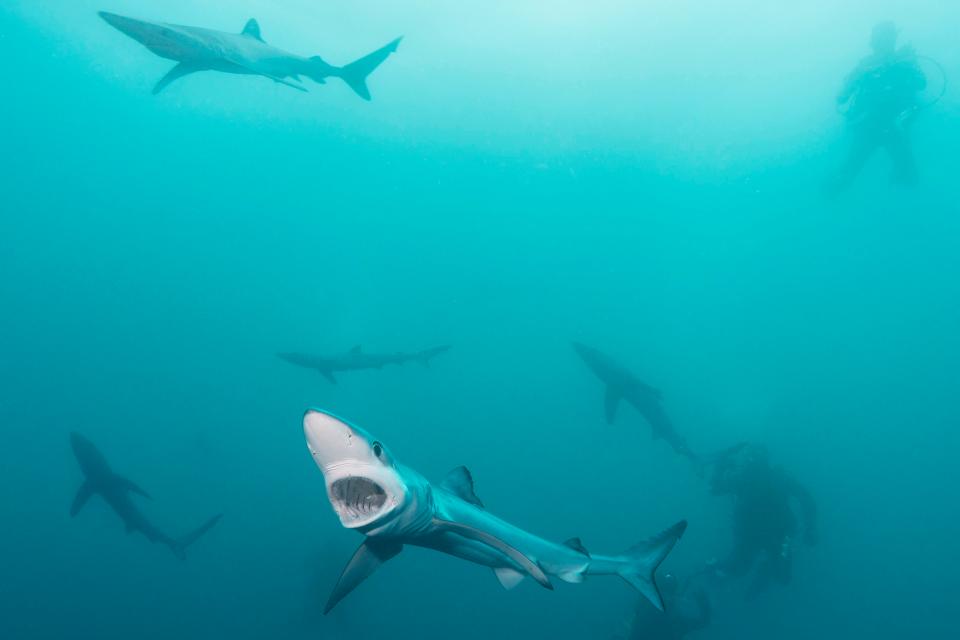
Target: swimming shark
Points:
(198, 49)
(621, 384)
(393, 505)
(356, 359)
(115, 490)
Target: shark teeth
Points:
(356, 498)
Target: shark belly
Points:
(554, 559)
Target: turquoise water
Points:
(642, 177)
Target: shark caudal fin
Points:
(355, 74)
(179, 546)
(424, 357)
(642, 560)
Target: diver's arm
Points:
(808, 509)
(919, 78)
(851, 83)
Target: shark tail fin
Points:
(642, 560)
(425, 356)
(179, 546)
(355, 74)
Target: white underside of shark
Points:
(393, 506)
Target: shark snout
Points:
(582, 350)
(329, 439)
(162, 39)
(128, 25)
(78, 442)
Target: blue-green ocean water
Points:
(643, 177)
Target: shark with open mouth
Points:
(393, 505)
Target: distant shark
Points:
(621, 384)
(393, 506)
(115, 490)
(198, 49)
(356, 359)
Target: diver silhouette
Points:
(765, 526)
(881, 98)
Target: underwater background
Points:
(644, 177)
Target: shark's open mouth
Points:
(356, 498)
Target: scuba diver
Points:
(881, 97)
(685, 611)
(765, 525)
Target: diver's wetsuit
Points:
(882, 90)
(764, 522)
(683, 614)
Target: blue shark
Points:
(198, 49)
(393, 506)
(357, 360)
(115, 490)
(621, 384)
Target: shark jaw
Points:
(363, 486)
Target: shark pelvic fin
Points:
(459, 482)
(528, 565)
(366, 559)
(83, 494)
(182, 69)
(252, 29)
(509, 578)
(577, 545)
(610, 403)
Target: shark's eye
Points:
(377, 449)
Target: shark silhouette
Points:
(198, 49)
(115, 490)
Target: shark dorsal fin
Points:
(252, 29)
(356, 349)
(577, 545)
(459, 482)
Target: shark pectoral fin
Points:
(129, 485)
(610, 403)
(182, 69)
(357, 349)
(522, 560)
(83, 494)
(252, 29)
(366, 559)
(509, 578)
(459, 482)
(329, 376)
